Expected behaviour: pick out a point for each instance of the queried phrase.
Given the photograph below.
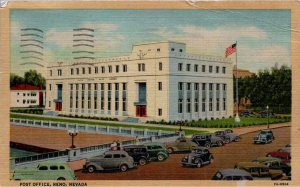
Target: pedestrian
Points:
(113, 146)
(136, 141)
(118, 145)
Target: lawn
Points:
(230, 123)
(115, 124)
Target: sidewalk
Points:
(238, 130)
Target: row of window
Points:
(95, 70)
(203, 86)
(98, 98)
(203, 68)
(28, 101)
(28, 94)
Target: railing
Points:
(90, 128)
(86, 152)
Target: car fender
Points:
(96, 165)
(162, 153)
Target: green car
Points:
(156, 151)
(45, 171)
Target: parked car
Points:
(138, 153)
(233, 136)
(232, 174)
(284, 156)
(181, 144)
(156, 151)
(109, 160)
(223, 136)
(44, 171)
(266, 114)
(207, 140)
(198, 158)
(282, 176)
(274, 164)
(246, 114)
(264, 136)
(254, 168)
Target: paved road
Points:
(225, 157)
(58, 139)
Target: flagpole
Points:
(237, 118)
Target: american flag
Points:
(231, 49)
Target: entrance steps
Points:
(131, 120)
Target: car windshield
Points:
(263, 132)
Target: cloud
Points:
(214, 41)
(101, 27)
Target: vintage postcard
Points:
(150, 93)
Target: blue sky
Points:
(263, 35)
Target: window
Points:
(159, 112)
(158, 49)
(117, 156)
(124, 68)
(188, 67)
(172, 49)
(180, 50)
(160, 86)
(117, 68)
(24, 94)
(180, 86)
(141, 67)
(180, 106)
(109, 69)
(196, 105)
(18, 93)
(62, 167)
(203, 68)
(96, 70)
(95, 95)
(124, 97)
(108, 156)
(43, 168)
(24, 101)
(83, 70)
(217, 69)
(188, 86)
(102, 69)
(90, 70)
(49, 87)
(72, 71)
(17, 101)
(53, 167)
(50, 72)
(77, 71)
(59, 72)
(188, 105)
(223, 70)
(196, 68)
(179, 66)
(49, 103)
(160, 66)
(89, 96)
(210, 69)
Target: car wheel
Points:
(199, 164)
(227, 141)
(219, 143)
(123, 167)
(211, 159)
(160, 157)
(170, 150)
(237, 139)
(91, 169)
(269, 155)
(142, 161)
(207, 145)
(61, 179)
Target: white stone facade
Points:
(149, 84)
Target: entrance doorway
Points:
(141, 111)
(58, 106)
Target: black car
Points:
(266, 114)
(246, 114)
(207, 140)
(223, 136)
(139, 153)
(198, 158)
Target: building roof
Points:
(25, 87)
(242, 73)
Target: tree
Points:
(31, 77)
(34, 78)
(269, 87)
(16, 79)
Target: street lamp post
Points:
(268, 115)
(72, 133)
